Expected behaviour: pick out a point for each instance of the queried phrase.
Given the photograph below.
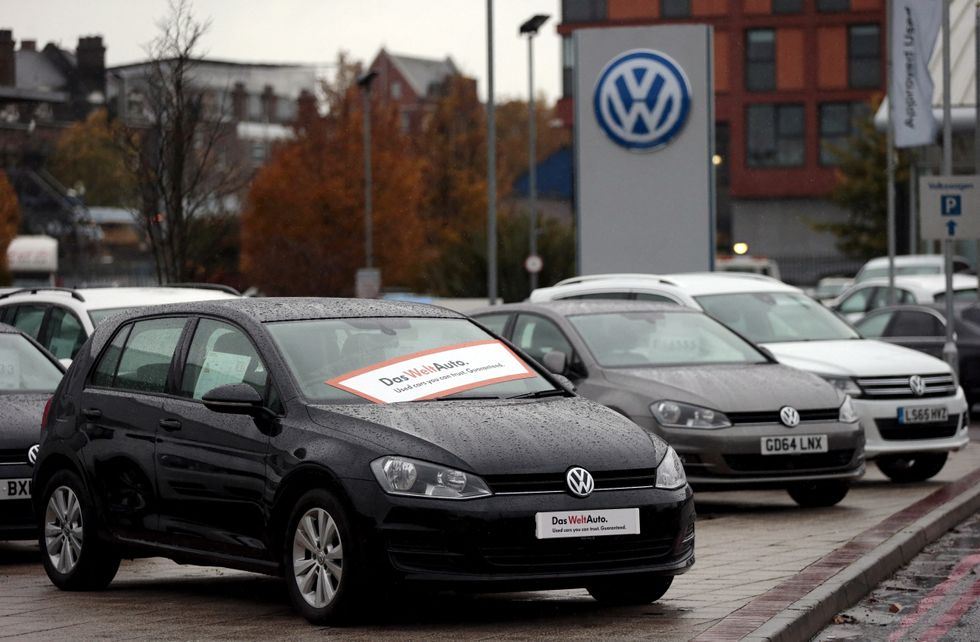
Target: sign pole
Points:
(890, 164)
(976, 113)
(949, 349)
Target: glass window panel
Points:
(105, 371)
(915, 324)
(145, 361)
(583, 10)
(864, 56)
(874, 326)
(220, 355)
(24, 368)
(828, 6)
(775, 135)
(787, 6)
(28, 319)
(65, 334)
(494, 322)
(675, 8)
(538, 336)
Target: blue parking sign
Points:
(952, 204)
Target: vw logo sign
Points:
(579, 481)
(917, 385)
(642, 99)
(32, 454)
(789, 416)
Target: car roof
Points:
(299, 308)
(928, 282)
(120, 297)
(692, 283)
(570, 307)
(910, 259)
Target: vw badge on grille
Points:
(789, 416)
(917, 385)
(579, 481)
(32, 454)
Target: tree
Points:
(863, 191)
(303, 226)
(88, 154)
(9, 221)
(512, 132)
(181, 153)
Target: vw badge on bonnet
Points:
(917, 385)
(579, 481)
(789, 416)
(32, 454)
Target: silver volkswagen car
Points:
(736, 417)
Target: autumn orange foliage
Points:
(9, 222)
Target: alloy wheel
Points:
(63, 529)
(318, 557)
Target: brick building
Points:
(790, 77)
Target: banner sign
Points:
(435, 373)
(915, 26)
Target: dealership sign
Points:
(435, 373)
(642, 99)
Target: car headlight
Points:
(847, 413)
(682, 415)
(845, 384)
(404, 476)
(670, 472)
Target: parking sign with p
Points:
(951, 204)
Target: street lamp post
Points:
(365, 83)
(491, 167)
(531, 29)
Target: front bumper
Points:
(731, 458)
(885, 436)
(489, 544)
(16, 515)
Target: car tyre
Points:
(74, 556)
(911, 467)
(322, 561)
(631, 591)
(819, 494)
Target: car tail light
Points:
(44, 415)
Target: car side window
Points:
(873, 326)
(496, 323)
(857, 302)
(28, 318)
(145, 361)
(65, 334)
(221, 354)
(538, 336)
(105, 370)
(915, 324)
(880, 297)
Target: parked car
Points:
(349, 446)
(62, 318)
(911, 408)
(923, 328)
(748, 265)
(28, 376)
(736, 417)
(830, 287)
(871, 294)
(911, 264)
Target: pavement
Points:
(766, 570)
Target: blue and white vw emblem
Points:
(579, 481)
(642, 99)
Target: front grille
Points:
(13, 456)
(555, 482)
(782, 463)
(937, 385)
(772, 417)
(892, 430)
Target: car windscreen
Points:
(772, 317)
(23, 368)
(98, 316)
(400, 359)
(644, 339)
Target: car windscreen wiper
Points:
(540, 394)
(459, 398)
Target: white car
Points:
(60, 319)
(863, 297)
(912, 410)
(910, 264)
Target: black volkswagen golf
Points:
(347, 446)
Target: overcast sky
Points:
(313, 31)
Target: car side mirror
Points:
(555, 362)
(234, 399)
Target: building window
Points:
(259, 151)
(787, 6)
(675, 8)
(838, 122)
(583, 10)
(760, 59)
(833, 6)
(567, 66)
(396, 89)
(775, 135)
(863, 56)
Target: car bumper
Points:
(731, 458)
(489, 544)
(885, 436)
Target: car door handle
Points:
(92, 413)
(170, 425)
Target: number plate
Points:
(15, 488)
(587, 523)
(922, 414)
(794, 445)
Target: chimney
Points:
(8, 62)
(91, 65)
(28, 45)
(269, 104)
(239, 101)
